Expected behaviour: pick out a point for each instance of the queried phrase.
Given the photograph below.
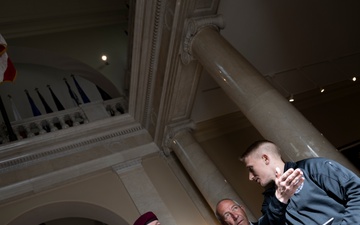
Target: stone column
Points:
(211, 183)
(142, 191)
(269, 112)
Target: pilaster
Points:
(142, 191)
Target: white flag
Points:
(7, 69)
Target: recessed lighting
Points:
(291, 99)
(105, 58)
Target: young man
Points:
(329, 189)
(229, 212)
(148, 218)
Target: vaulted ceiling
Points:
(298, 46)
(49, 42)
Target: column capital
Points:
(173, 129)
(192, 27)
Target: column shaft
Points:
(203, 172)
(270, 113)
(142, 191)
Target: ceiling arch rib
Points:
(50, 59)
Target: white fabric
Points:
(3, 59)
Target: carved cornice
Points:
(192, 27)
(153, 59)
(18, 24)
(25, 160)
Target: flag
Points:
(80, 90)
(105, 96)
(35, 110)
(72, 94)
(16, 113)
(7, 73)
(58, 104)
(46, 106)
(7, 69)
(12, 135)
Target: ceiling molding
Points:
(31, 25)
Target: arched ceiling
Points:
(58, 210)
(68, 36)
(298, 46)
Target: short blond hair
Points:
(271, 148)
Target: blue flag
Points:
(35, 110)
(46, 106)
(80, 90)
(58, 104)
(72, 94)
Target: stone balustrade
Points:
(65, 119)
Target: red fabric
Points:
(10, 72)
(145, 218)
(7, 68)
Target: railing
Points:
(64, 119)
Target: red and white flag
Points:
(7, 69)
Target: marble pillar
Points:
(202, 170)
(142, 191)
(269, 112)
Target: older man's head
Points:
(229, 212)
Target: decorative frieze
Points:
(25, 160)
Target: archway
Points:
(25, 55)
(60, 210)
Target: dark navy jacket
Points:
(329, 191)
(273, 210)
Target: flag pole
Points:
(12, 135)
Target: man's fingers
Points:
(286, 174)
(298, 181)
(295, 180)
(294, 175)
(291, 178)
(289, 188)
